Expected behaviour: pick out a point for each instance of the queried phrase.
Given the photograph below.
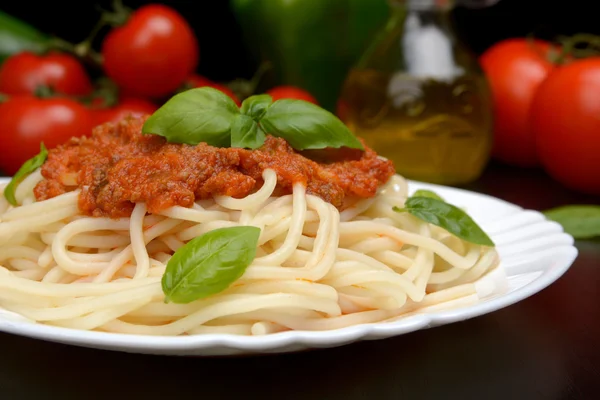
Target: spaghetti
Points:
(317, 267)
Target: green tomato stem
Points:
(116, 17)
(83, 50)
(580, 45)
(246, 88)
(44, 92)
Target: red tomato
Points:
(291, 92)
(565, 119)
(197, 81)
(152, 54)
(22, 73)
(25, 121)
(127, 107)
(515, 68)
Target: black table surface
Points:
(545, 347)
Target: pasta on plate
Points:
(103, 258)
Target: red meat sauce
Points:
(119, 166)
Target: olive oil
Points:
(419, 98)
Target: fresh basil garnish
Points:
(209, 264)
(307, 126)
(207, 115)
(448, 217)
(196, 115)
(27, 168)
(579, 221)
(427, 193)
(256, 106)
(246, 133)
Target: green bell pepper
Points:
(309, 43)
(17, 36)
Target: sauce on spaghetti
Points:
(118, 166)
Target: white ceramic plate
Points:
(534, 253)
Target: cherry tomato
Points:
(565, 120)
(515, 68)
(291, 92)
(197, 81)
(152, 54)
(24, 72)
(25, 121)
(127, 107)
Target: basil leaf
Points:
(256, 106)
(246, 133)
(579, 221)
(448, 217)
(209, 264)
(196, 115)
(307, 126)
(427, 193)
(27, 168)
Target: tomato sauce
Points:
(119, 166)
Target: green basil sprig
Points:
(446, 216)
(307, 126)
(209, 264)
(580, 221)
(256, 106)
(245, 133)
(27, 168)
(208, 115)
(194, 116)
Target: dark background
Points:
(224, 58)
(543, 348)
